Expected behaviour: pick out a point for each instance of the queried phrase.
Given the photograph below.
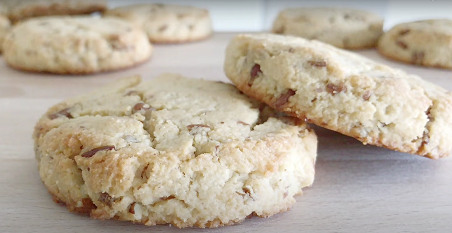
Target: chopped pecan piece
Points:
(90, 153)
(65, 112)
(190, 127)
(242, 123)
(163, 28)
(401, 44)
(366, 95)
(167, 198)
(132, 208)
(105, 198)
(283, 99)
(321, 63)
(335, 89)
(141, 106)
(254, 73)
(404, 32)
(417, 57)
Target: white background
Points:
(258, 15)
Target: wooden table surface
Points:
(357, 188)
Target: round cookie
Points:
(166, 23)
(344, 92)
(341, 27)
(24, 9)
(425, 43)
(75, 45)
(175, 151)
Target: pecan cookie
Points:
(341, 27)
(343, 91)
(166, 23)
(425, 43)
(75, 45)
(24, 9)
(5, 24)
(173, 150)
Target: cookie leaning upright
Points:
(425, 42)
(343, 91)
(165, 23)
(175, 151)
(75, 45)
(23, 9)
(341, 27)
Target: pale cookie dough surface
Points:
(23, 9)
(425, 43)
(5, 24)
(165, 23)
(175, 151)
(75, 45)
(341, 27)
(343, 91)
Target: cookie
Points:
(5, 24)
(341, 27)
(173, 150)
(24, 9)
(344, 92)
(75, 45)
(424, 43)
(166, 23)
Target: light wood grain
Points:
(357, 189)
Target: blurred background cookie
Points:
(4, 24)
(167, 23)
(24, 9)
(425, 43)
(341, 27)
(75, 45)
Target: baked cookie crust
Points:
(344, 92)
(174, 151)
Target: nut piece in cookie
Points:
(344, 92)
(166, 23)
(341, 27)
(173, 150)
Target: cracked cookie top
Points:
(173, 150)
(343, 91)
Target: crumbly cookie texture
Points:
(75, 45)
(5, 24)
(175, 151)
(166, 23)
(341, 27)
(23, 9)
(425, 43)
(343, 91)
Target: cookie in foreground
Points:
(341, 27)
(173, 150)
(75, 45)
(424, 43)
(24, 9)
(344, 92)
(167, 23)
